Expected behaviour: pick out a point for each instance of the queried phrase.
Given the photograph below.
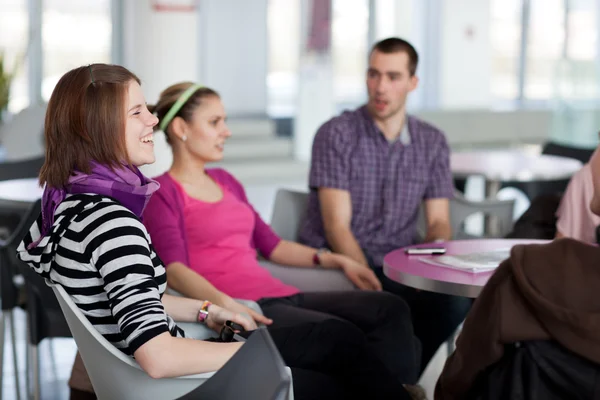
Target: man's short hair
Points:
(396, 45)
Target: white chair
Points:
(255, 372)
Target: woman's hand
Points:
(239, 308)
(361, 275)
(218, 315)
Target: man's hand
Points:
(359, 274)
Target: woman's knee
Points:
(390, 306)
(341, 334)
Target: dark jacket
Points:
(546, 298)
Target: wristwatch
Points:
(203, 312)
(317, 256)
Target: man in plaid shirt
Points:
(371, 170)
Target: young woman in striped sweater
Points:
(90, 239)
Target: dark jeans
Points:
(435, 316)
(353, 336)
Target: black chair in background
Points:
(11, 283)
(535, 189)
(44, 316)
(45, 319)
(578, 153)
(11, 212)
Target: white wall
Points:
(162, 49)
(465, 68)
(222, 45)
(233, 40)
(316, 103)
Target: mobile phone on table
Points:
(425, 251)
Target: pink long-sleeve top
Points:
(217, 240)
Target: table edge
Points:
(431, 285)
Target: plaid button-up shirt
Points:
(387, 181)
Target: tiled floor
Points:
(56, 359)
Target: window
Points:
(74, 33)
(350, 24)
(283, 19)
(545, 44)
(578, 71)
(14, 26)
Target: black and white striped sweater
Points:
(102, 255)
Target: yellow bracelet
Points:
(203, 312)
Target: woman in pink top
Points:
(208, 236)
(575, 220)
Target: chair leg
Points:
(27, 360)
(35, 357)
(13, 339)
(2, 327)
(52, 352)
(451, 344)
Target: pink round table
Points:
(410, 271)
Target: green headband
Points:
(185, 96)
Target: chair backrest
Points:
(255, 372)
(46, 320)
(21, 169)
(23, 136)
(288, 212)
(9, 292)
(460, 208)
(290, 206)
(578, 153)
(500, 210)
(113, 374)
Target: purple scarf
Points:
(128, 186)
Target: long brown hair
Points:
(85, 121)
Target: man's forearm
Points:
(438, 231)
(342, 241)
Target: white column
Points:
(233, 43)
(316, 102)
(222, 44)
(465, 68)
(161, 48)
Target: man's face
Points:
(388, 83)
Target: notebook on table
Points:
(482, 261)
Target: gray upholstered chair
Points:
(288, 211)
